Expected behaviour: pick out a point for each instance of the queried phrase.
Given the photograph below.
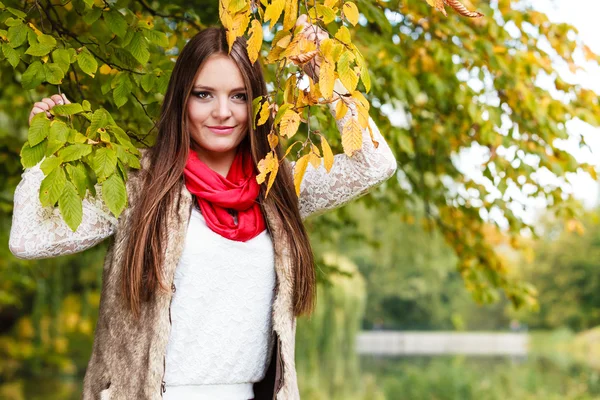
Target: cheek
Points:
(197, 113)
(241, 115)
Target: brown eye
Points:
(200, 95)
(240, 96)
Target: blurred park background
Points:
(490, 226)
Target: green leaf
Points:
(47, 40)
(104, 162)
(115, 22)
(92, 16)
(78, 176)
(138, 47)
(49, 164)
(157, 37)
(163, 81)
(54, 73)
(52, 186)
(75, 152)
(86, 105)
(148, 81)
(33, 76)
(53, 147)
(62, 58)
(11, 55)
(121, 136)
(122, 90)
(76, 137)
(39, 49)
(127, 158)
(17, 35)
(99, 120)
(114, 194)
(70, 206)
(16, 13)
(67, 109)
(59, 131)
(39, 128)
(87, 62)
(30, 156)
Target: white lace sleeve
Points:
(350, 177)
(40, 232)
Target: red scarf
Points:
(216, 194)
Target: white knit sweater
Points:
(221, 339)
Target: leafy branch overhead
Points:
(292, 53)
(437, 86)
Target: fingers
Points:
(302, 20)
(46, 104)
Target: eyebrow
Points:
(202, 87)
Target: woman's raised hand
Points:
(46, 105)
(315, 34)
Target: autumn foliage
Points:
(460, 83)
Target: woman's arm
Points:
(41, 232)
(350, 177)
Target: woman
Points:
(204, 276)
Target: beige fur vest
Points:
(128, 357)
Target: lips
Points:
(221, 130)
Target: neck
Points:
(218, 162)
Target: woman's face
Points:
(217, 109)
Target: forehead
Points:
(219, 71)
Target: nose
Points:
(222, 109)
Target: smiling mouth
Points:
(221, 130)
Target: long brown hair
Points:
(144, 252)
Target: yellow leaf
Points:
(284, 41)
(347, 75)
(273, 12)
(274, 169)
(362, 107)
(361, 99)
(273, 140)
(289, 123)
(330, 3)
(343, 35)
(340, 110)
(235, 6)
(364, 71)
(290, 88)
(224, 15)
(438, 4)
(351, 12)
(35, 29)
(264, 166)
(315, 156)
(326, 79)
(314, 92)
(264, 114)
(105, 69)
(351, 137)
(238, 27)
(299, 170)
(301, 100)
(255, 40)
(327, 154)
(291, 14)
